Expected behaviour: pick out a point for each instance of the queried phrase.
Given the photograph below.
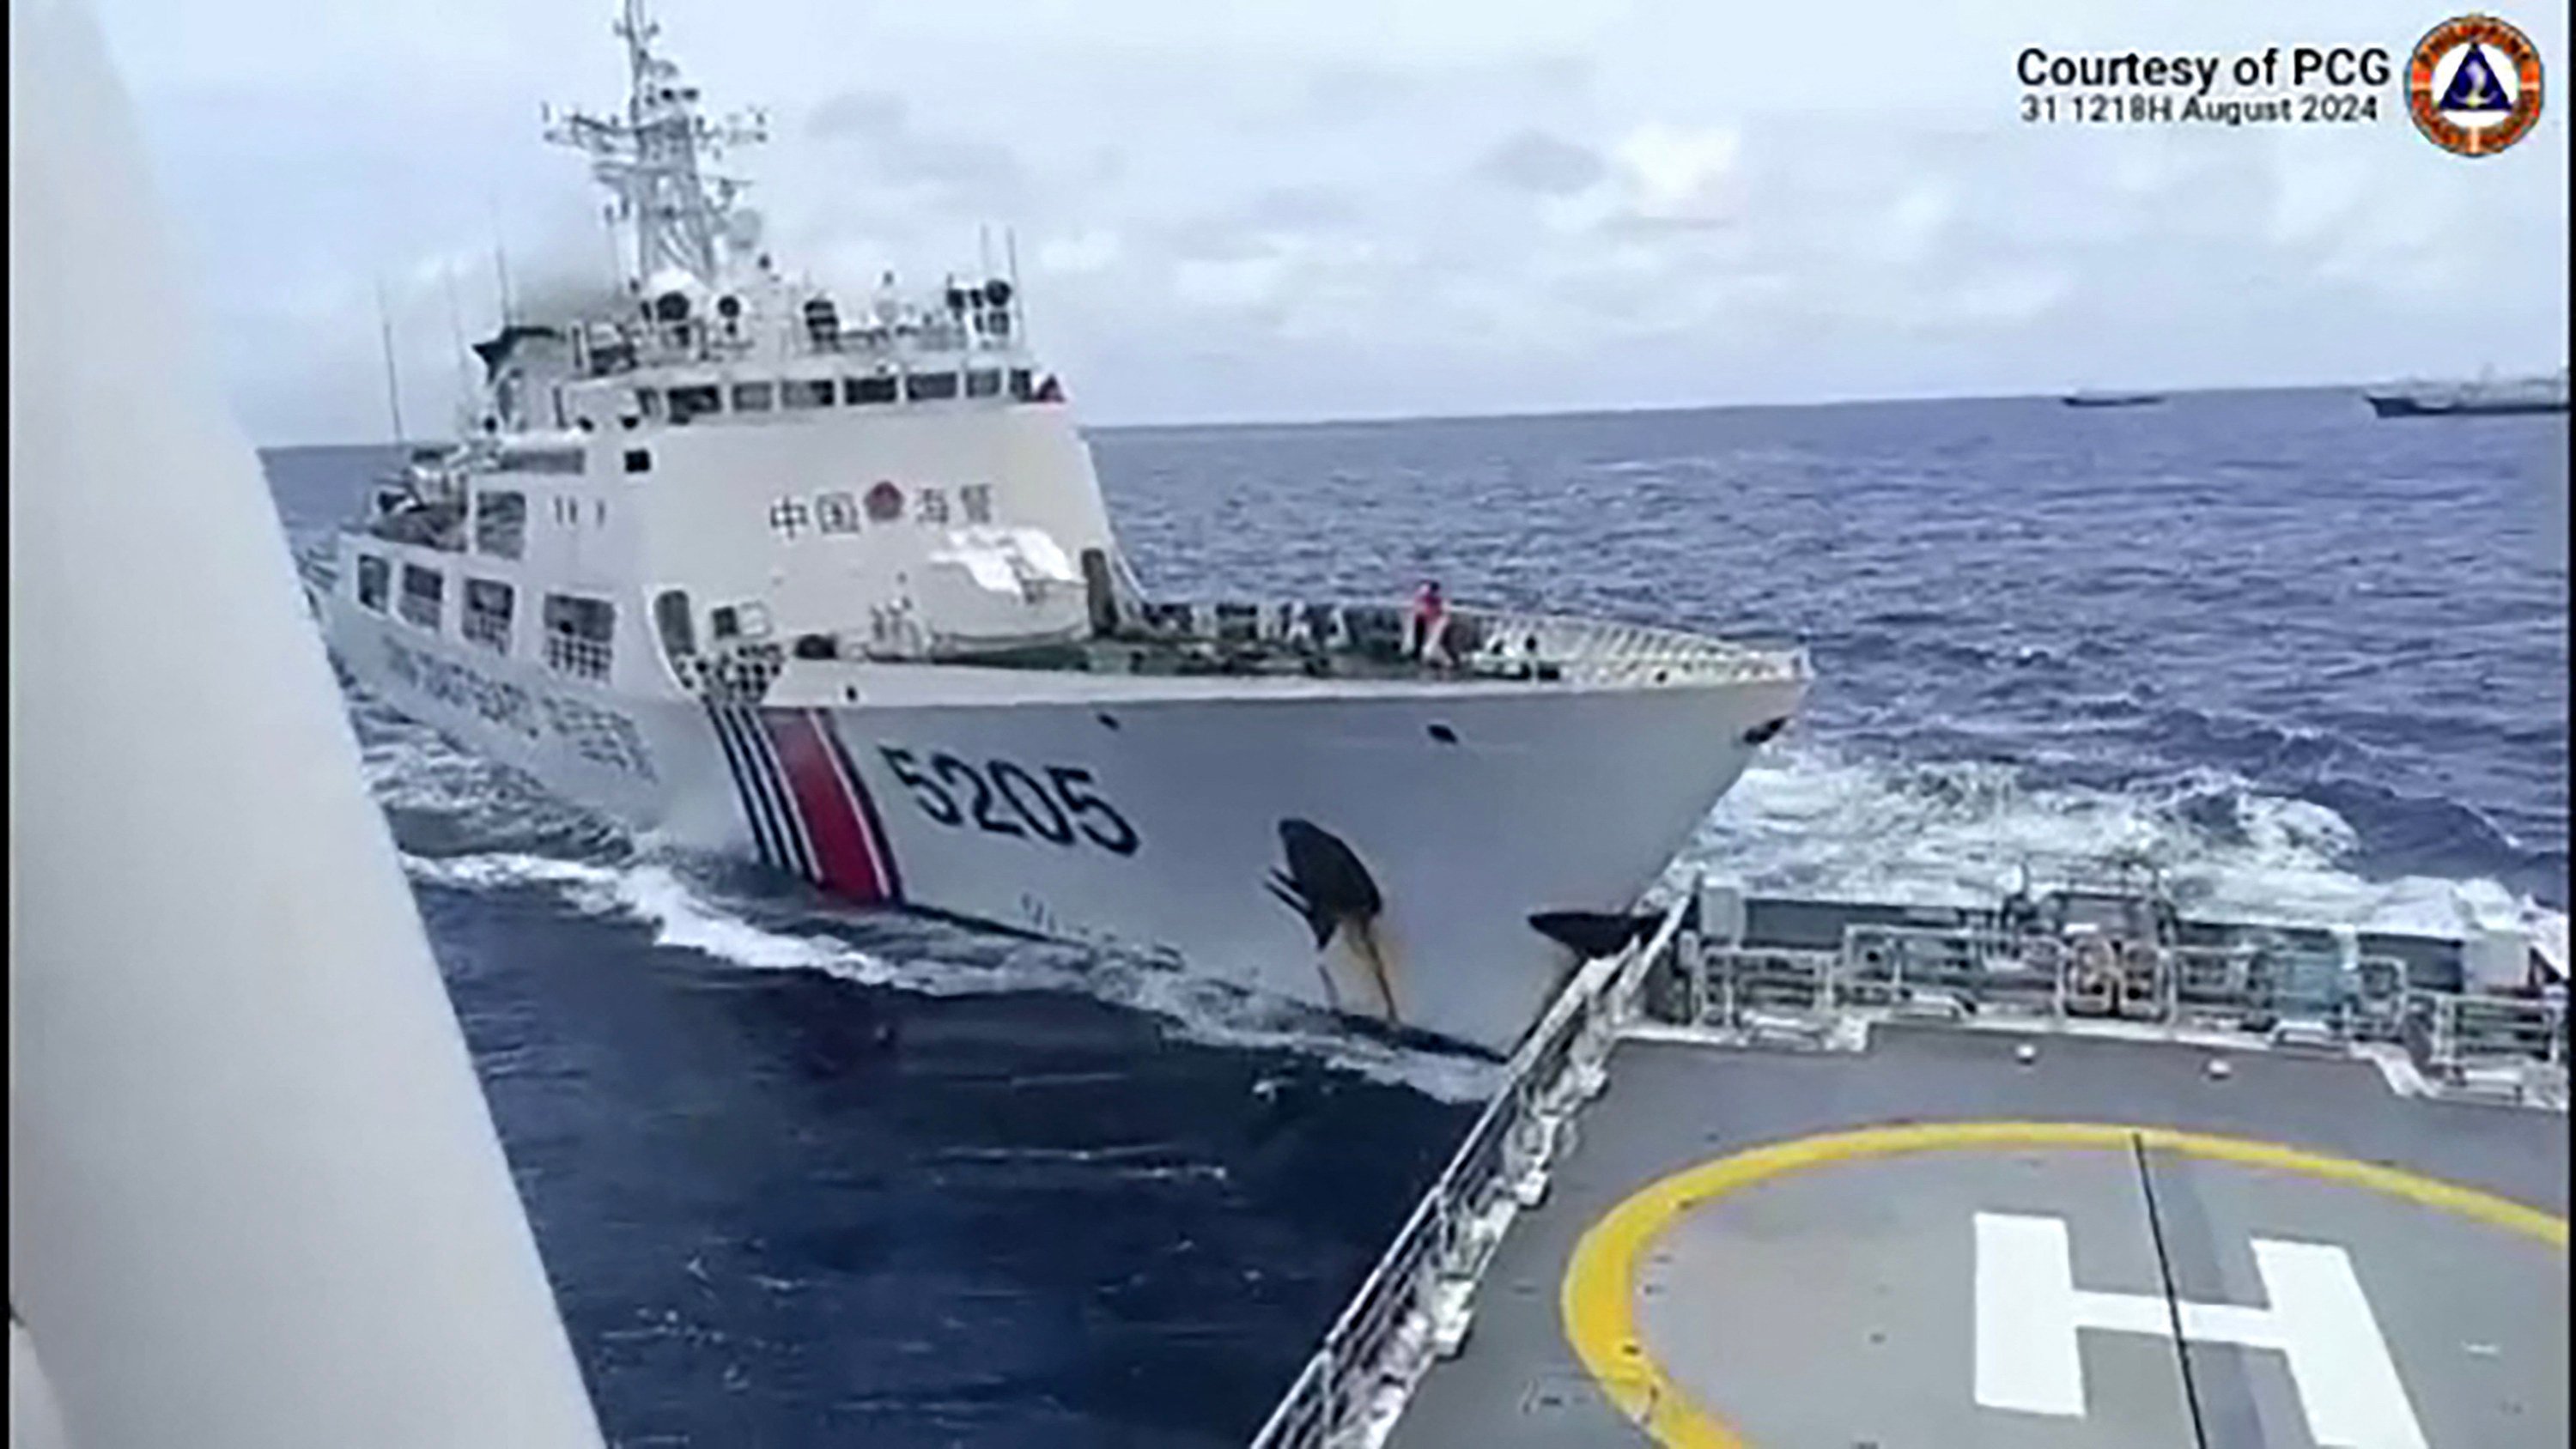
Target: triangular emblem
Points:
(2474, 86)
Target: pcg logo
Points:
(2473, 85)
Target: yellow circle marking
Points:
(1599, 1294)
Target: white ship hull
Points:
(773, 570)
(1147, 814)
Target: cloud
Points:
(874, 127)
(1353, 94)
(1536, 161)
(1092, 250)
(1302, 208)
(1680, 174)
(1422, 207)
(856, 114)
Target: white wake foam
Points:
(1810, 821)
(687, 911)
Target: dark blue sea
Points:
(812, 1176)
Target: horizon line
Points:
(1388, 419)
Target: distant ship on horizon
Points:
(2096, 398)
(2485, 396)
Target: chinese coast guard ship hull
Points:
(835, 589)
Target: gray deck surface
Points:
(1834, 1306)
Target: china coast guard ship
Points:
(828, 581)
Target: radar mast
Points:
(649, 159)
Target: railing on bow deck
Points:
(1351, 1389)
(1476, 642)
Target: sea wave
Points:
(1817, 821)
(744, 920)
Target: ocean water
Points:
(808, 1175)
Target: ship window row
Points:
(501, 518)
(541, 460)
(489, 604)
(580, 631)
(375, 581)
(423, 595)
(687, 404)
(501, 523)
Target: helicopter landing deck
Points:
(1937, 1241)
(2074, 1170)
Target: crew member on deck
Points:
(1430, 623)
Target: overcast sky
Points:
(1336, 208)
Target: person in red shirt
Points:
(1430, 622)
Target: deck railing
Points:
(2514, 1046)
(2508, 1045)
(1605, 652)
(1976, 969)
(1414, 1300)
(1478, 642)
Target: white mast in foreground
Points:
(255, 1197)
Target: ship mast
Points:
(649, 160)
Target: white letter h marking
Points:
(2028, 1311)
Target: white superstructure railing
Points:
(1603, 652)
(1482, 642)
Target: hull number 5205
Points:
(1054, 803)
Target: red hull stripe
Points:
(844, 854)
(880, 845)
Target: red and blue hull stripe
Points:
(807, 807)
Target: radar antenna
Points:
(649, 159)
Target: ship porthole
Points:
(1444, 734)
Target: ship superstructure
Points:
(827, 580)
(2482, 396)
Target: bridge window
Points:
(488, 606)
(694, 402)
(1022, 388)
(501, 524)
(738, 621)
(579, 632)
(649, 402)
(375, 578)
(984, 383)
(541, 460)
(679, 632)
(801, 392)
(930, 386)
(870, 390)
(639, 460)
(423, 595)
(753, 397)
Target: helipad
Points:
(1936, 1242)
